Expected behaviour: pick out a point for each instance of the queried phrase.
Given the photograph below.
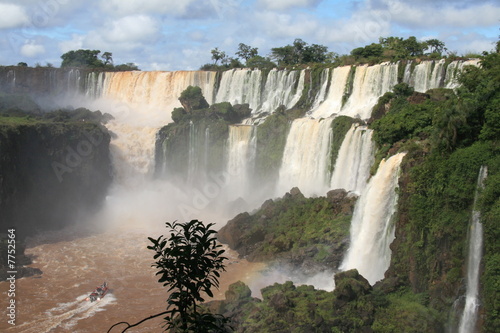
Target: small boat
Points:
(98, 293)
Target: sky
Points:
(179, 34)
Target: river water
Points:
(75, 262)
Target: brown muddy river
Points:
(73, 265)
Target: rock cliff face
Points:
(307, 235)
(42, 81)
(51, 173)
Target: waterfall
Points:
(306, 157)
(356, 154)
(241, 158)
(240, 86)
(469, 316)
(153, 93)
(454, 68)
(372, 228)
(370, 82)
(333, 101)
(282, 88)
(321, 95)
(427, 75)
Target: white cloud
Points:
(32, 50)
(75, 43)
(431, 16)
(123, 8)
(12, 16)
(286, 4)
(131, 29)
(285, 25)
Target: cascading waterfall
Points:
(356, 154)
(240, 86)
(370, 82)
(152, 93)
(372, 228)
(454, 68)
(333, 101)
(241, 158)
(427, 75)
(321, 95)
(306, 157)
(469, 315)
(282, 88)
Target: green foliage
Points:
(372, 50)
(402, 90)
(192, 99)
(218, 55)
(179, 114)
(406, 312)
(82, 58)
(90, 59)
(403, 48)
(260, 62)
(340, 126)
(271, 140)
(246, 51)
(189, 263)
(300, 53)
(305, 229)
(404, 121)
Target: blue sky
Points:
(179, 34)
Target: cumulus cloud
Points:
(12, 16)
(170, 7)
(32, 50)
(75, 43)
(286, 4)
(430, 16)
(134, 28)
(286, 25)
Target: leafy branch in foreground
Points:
(189, 262)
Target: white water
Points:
(456, 67)
(239, 86)
(154, 94)
(427, 75)
(321, 95)
(469, 316)
(370, 82)
(241, 158)
(306, 157)
(355, 157)
(333, 101)
(280, 87)
(372, 229)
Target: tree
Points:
(108, 58)
(372, 50)
(300, 52)
(189, 263)
(218, 55)
(192, 99)
(81, 58)
(435, 46)
(246, 52)
(129, 66)
(260, 62)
